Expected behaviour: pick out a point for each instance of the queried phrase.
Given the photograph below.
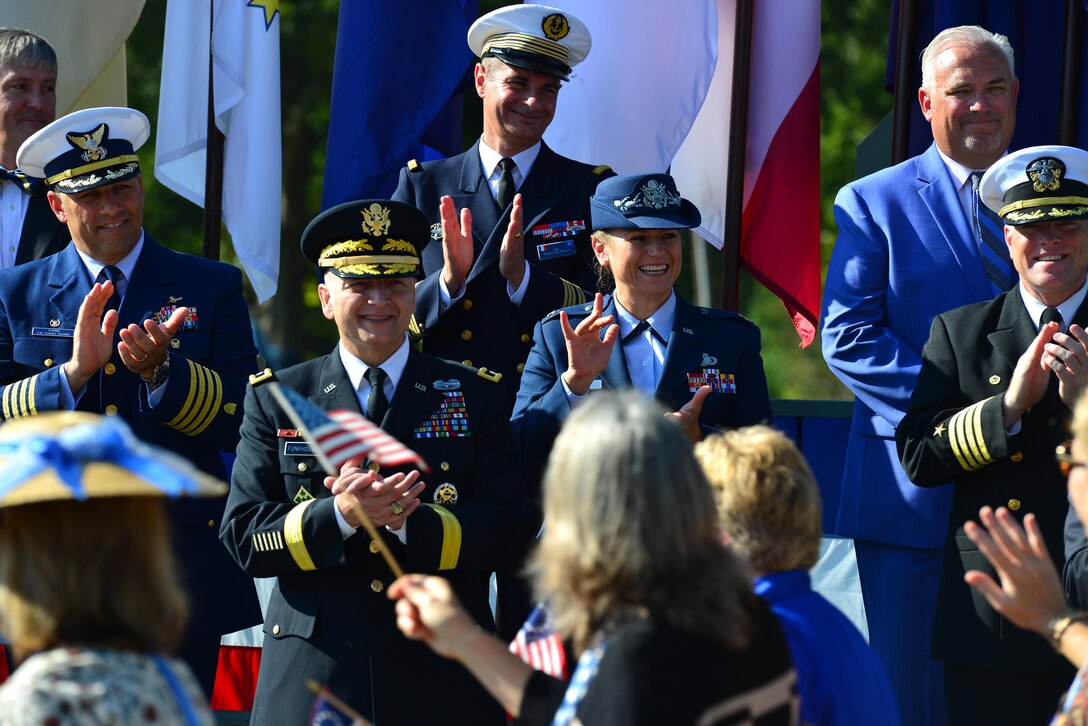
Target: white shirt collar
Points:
(1068, 308)
(661, 321)
(962, 174)
(489, 160)
(393, 366)
(126, 265)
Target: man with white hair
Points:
(913, 242)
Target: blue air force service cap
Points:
(1038, 184)
(535, 37)
(368, 238)
(86, 149)
(64, 455)
(641, 201)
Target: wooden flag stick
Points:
(326, 465)
(319, 689)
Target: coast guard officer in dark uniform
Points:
(993, 401)
(520, 248)
(329, 619)
(703, 364)
(116, 324)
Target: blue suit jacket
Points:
(43, 234)
(905, 253)
(701, 338)
(483, 328)
(200, 411)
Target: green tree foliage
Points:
(290, 326)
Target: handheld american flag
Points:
(337, 436)
(539, 645)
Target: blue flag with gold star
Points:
(397, 67)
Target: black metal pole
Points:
(1071, 52)
(213, 168)
(738, 141)
(904, 87)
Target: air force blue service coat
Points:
(329, 618)
(200, 411)
(905, 253)
(702, 342)
(483, 328)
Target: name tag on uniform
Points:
(53, 332)
(297, 448)
(551, 250)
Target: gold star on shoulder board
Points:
(939, 431)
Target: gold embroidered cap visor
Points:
(64, 455)
(368, 238)
(535, 37)
(86, 149)
(1038, 184)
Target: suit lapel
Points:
(336, 391)
(939, 194)
(150, 287)
(1015, 332)
(681, 354)
(415, 398)
(616, 375)
(68, 282)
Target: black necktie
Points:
(990, 230)
(114, 275)
(639, 329)
(28, 184)
(1051, 315)
(376, 402)
(505, 194)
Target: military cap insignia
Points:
(302, 495)
(653, 194)
(555, 26)
(445, 494)
(718, 381)
(376, 220)
(91, 143)
(1046, 174)
(449, 420)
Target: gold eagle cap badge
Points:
(376, 220)
(91, 143)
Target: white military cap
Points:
(86, 149)
(535, 37)
(1038, 184)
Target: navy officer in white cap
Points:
(512, 215)
(118, 325)
(993, 401)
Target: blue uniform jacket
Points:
(43, 234)
(483, 328)
(702, 339)
(905, 253)
(198, 415)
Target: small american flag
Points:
(538, 644)
(337, 436)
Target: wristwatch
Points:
(1057, 626)
(159, 374)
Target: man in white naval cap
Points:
(993, 401)
(116, 324)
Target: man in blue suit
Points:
(117, 324)
(486, 285)
(911, 246)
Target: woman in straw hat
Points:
(89, 595)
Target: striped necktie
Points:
(30, 185)
(996, 262)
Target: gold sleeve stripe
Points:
(292, 533)
(967, 439)
(202, 403)
(451, 537)
(572, 294)
(18, 399)
(258, 542)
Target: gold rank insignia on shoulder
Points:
(302, 495)
(601, 169)
(489, 375)
(414, 165)
(258, 378)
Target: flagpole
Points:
(213, 168)
(738, 142)
(904, 69)
(1070, 88)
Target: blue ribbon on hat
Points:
(73, 448)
